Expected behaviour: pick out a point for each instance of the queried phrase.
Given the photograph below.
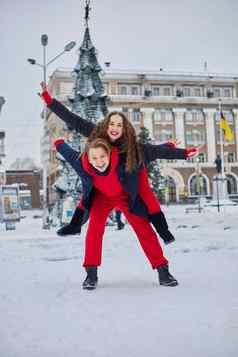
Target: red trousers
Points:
(99, 212)
(146, 194)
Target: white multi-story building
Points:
(182, 106)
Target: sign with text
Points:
(9, 203)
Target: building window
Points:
(227, 92)
(166, 91)
(136, 115)
(195, 136)
(113, 89)
(194, 116)
(163, 116)
(231, 157)
(156, 116)
(163, 135)
(188, 116)
(155, 91)
(135, 90)
(186, 92)
(123, 90)
(202, 157)
(197, 92)
(198, 186)
(231, 185)
(170, 189)
(217, 92)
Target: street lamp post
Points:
(2, 102)
(44, 66)
(2, 173)
(198, 184)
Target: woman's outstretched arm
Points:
(72, 120)
(153, 152)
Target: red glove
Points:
(58, 141)
(46, 97)
(189, 152)
(172, 144)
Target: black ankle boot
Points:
(74, 227)
(91, 280)
(165, 278)
(120, 226)
(159, 222)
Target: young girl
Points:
(107, 186)
(118, 130)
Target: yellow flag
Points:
(228, 133)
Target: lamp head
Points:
(31, 60)
(44, 40)
(69, 46)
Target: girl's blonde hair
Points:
(98, 143)
(127, 142)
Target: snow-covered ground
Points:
(45, 313)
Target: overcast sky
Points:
(172, 34)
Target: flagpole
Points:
(222, 150)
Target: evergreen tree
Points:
(153, 168)
(89, 97)
(89, 101)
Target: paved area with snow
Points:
(45, 312)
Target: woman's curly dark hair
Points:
(127, 143)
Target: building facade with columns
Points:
(182, 106)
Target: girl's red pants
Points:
(99, 212)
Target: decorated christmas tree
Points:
(89, 97)
(89, 101)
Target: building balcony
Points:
(172, 100)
